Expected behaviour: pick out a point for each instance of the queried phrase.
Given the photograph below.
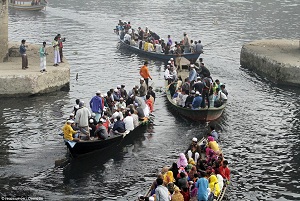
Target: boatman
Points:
(144, 72)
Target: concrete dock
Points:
(16, 82)
(277, 59)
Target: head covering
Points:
(115, 90)
(70, 121)
(197, 93)
(72, 114)
(192, 66)
(91, 121)
(98, 92)
(189, 167)
(81, 104)
(168, 177)
(93, 114)
(193, 92)
(169, 62)
(210, 138)
(118, 87)
(142, 79)
(164, 170)
(171, 59)
(182, 161)
(191, 161)
(195, 139)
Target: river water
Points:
(260, 127)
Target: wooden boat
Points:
(83, 147)
(30, 5)
(203, 114)
(223, 190)
(163, 57)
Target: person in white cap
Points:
(96, 105)
(194, 150)
(197, 101)
(69, 132)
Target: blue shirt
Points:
(119, 126)
(202, 185)
(22, 49)
(96, 104)
(197, 102)
(215, 135)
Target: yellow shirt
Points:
(213, 185)
(214, 145)
(146, 46)
(68, 132)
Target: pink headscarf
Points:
(210, 138)
(182, 161)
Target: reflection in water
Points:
(259, 127)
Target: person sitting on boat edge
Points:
(69, 133)
(213, 133)
(197, 101)
(193, 150)
(224, 90)
(119, 126)
(127, 38)
(220, 98)
(101, 131)
(225, 171)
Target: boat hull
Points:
(85, 147)
(27, 7)
(192, 57)
(203, 114)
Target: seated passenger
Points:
(128, 121)
(189, 99)
(194, 150)
(224, 90)
(213, 144)
(213, 184)
(119, 125)
(150, 47)
(69, 132)
(149, 103)
(127, 38)
(158, 48)
(224, 170)
(101, 131)
(197, 101)
(146, 46)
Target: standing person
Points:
(161, 191)
(55, 45)
(170, 40)
(202, 185)
(96, 105)
(60, 40)
(82, 119)
(144, 72)
(186, 43)
(43, 55)
(143, 88)
(205, 91)
(23, 54)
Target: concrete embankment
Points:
(278, 60)
(16, 82)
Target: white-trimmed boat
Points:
(31, 5)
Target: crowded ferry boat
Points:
(201, 173)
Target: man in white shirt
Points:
(127, 38)
(82, 118)
(128, 120)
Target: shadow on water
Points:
(93, 162)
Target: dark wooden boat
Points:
(164, 57)
(84, 147)
(30, 5)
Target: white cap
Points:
(98, 92)
(142, 79)
(192, 65)
(116, 90)
(93, 114)
(195, 139)
(91, 121)
(171, 59)
(197, 93)
(122, 107)
(168, 66)
(119, 87)
(169, 62)
(70, 121)
(72, 114)
(121, 98)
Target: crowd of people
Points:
(116, 111)
(57, 45)
(196, 91)
(148, 40)
(198, 175)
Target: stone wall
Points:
(278, 60)
(3, 30)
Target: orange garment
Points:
(144, 72)
(150, 104)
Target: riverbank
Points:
(277, 59)
(16, 82)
